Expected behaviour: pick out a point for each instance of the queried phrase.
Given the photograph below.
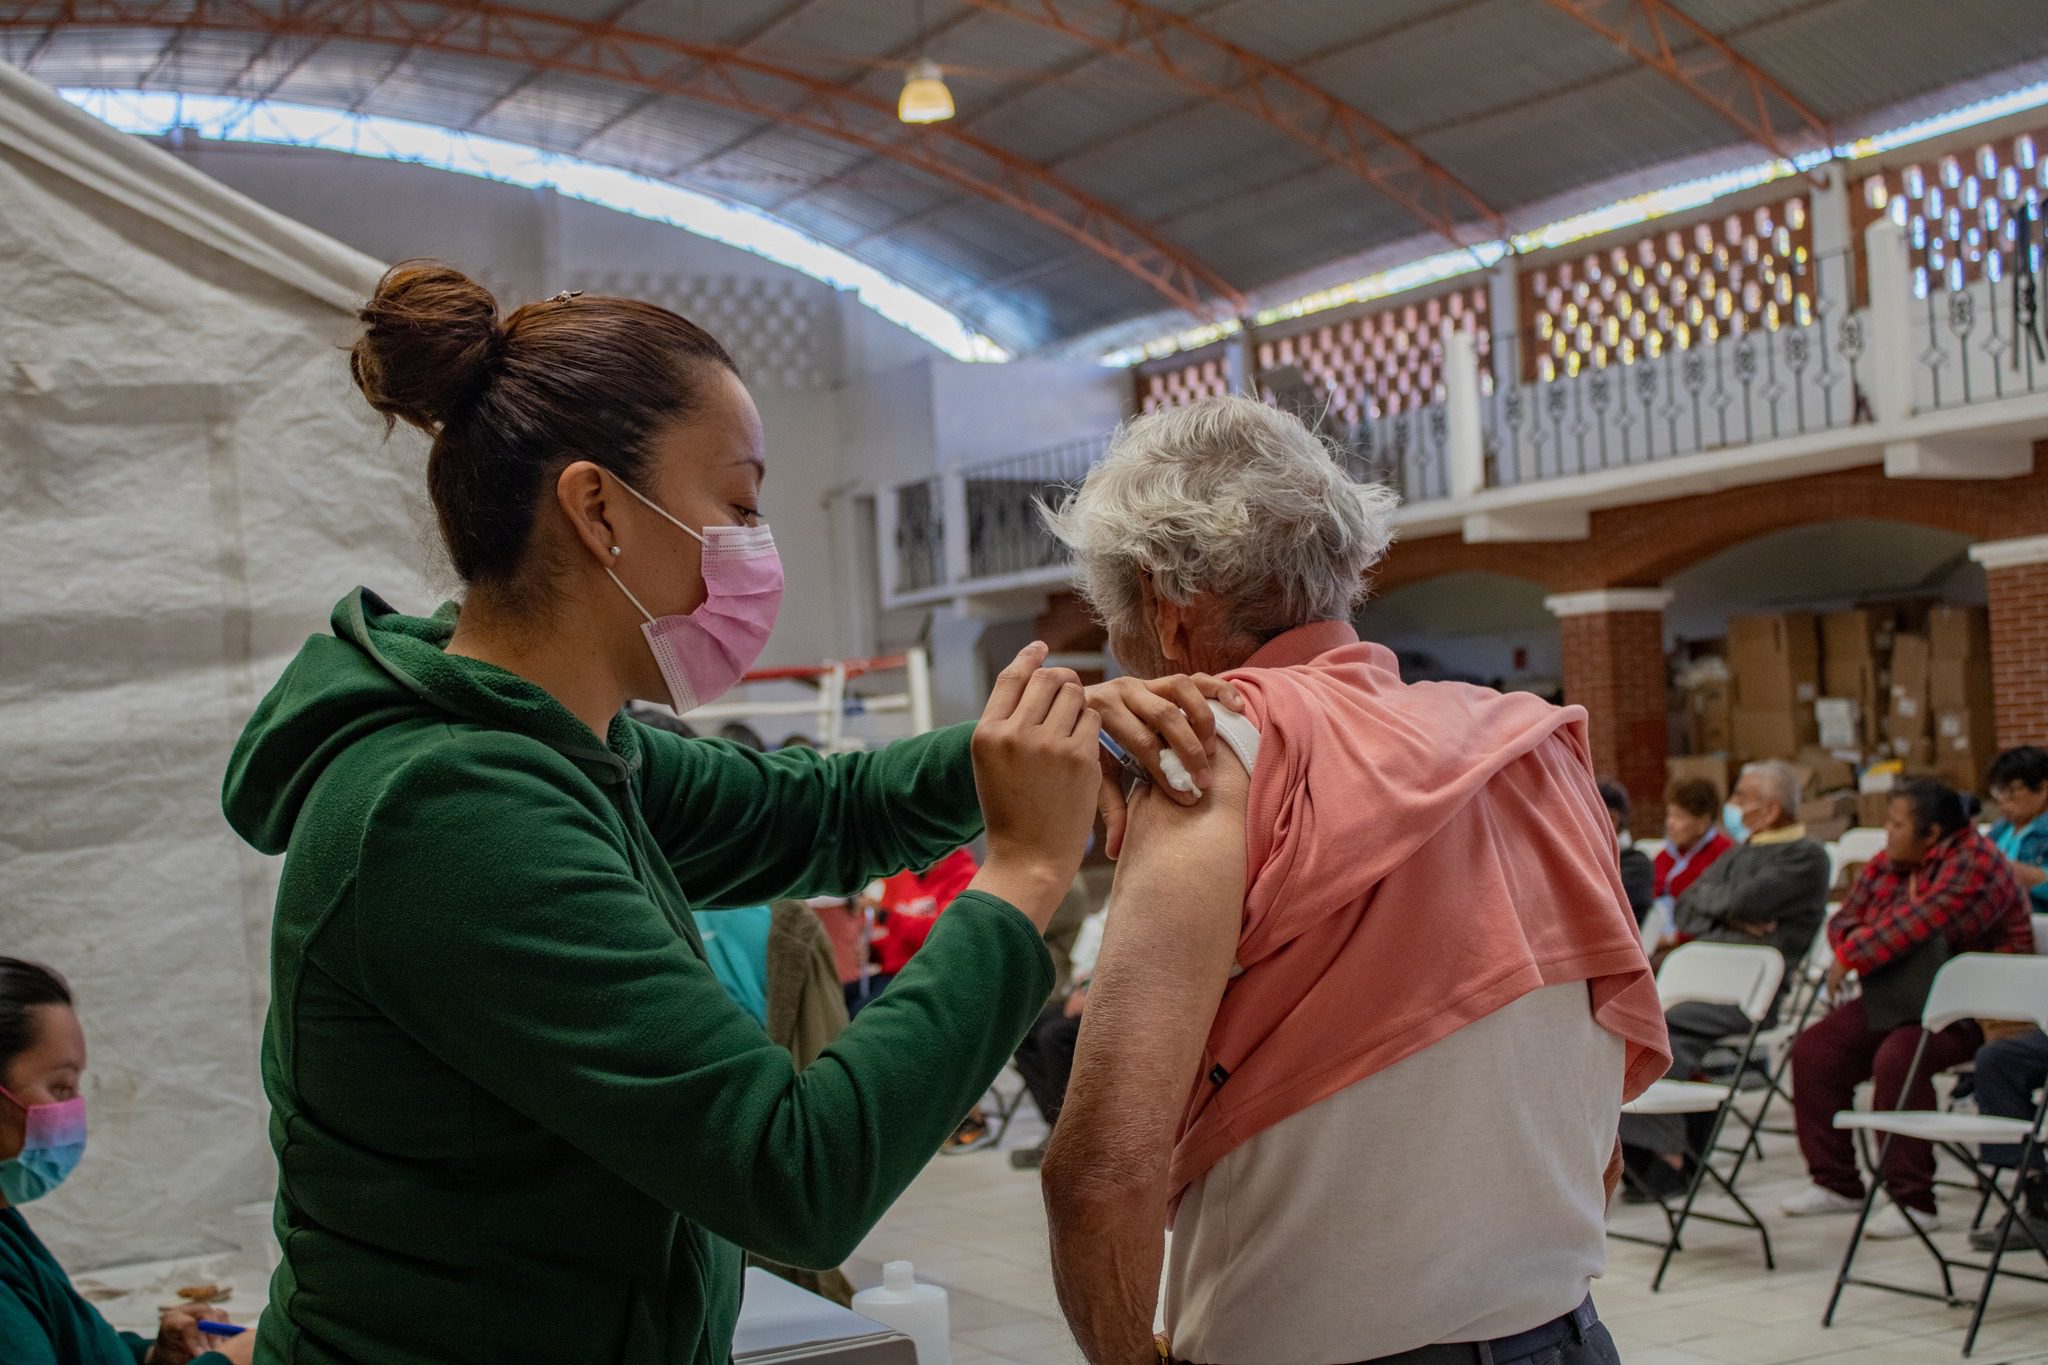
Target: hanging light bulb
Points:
(925, 98)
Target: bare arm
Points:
(1170, 938)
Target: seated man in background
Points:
(1693, 840)
(1365, 1016)
(1771, 889)
(1638, 874)
(2010, 1071)
(2019, 784)
(1939, 887)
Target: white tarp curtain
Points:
(187, 484)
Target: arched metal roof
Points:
(1112, 159)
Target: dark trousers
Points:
(860, 993)
(1828, 1062)
(1045, 1059)
(2009, 1071)
(1694, 1028)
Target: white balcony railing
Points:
(1838, 379)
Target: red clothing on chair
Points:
(1676, 872)
(914, 901)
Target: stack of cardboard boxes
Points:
(1775, 664)
(1959, 695)
(1854, 647)
(1903, 682)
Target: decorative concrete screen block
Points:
(1178, 385)
(1957, 208)
(1669, 290)
(775, 330)
(1384, 361)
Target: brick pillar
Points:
(2017, 572)
(1613, 643)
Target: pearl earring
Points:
(615, 549)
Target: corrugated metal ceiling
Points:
(1516, 99)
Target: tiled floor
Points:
(976, 1226)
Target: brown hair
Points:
(1695, 796)
(509, 402)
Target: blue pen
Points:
(220, 1329)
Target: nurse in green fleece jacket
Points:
(516, 1118)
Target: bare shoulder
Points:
(1157, 823)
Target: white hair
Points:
(1229, 497)
(1781, 782)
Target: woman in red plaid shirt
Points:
(1937, 877)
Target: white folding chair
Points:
(1774, 1047)
(1973, 986)
(1715, 974)
(1860, 845)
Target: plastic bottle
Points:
(916, 1310)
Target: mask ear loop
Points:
(661, 511)
(658, 511)
(629, 594)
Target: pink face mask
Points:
(701, 655)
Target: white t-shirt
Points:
(1455, 1196)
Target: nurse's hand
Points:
(1151, 717)
(1036, 771)
(178, 1338)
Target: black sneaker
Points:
(2028, 1231)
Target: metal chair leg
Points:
(1849, 1257)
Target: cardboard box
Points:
(1959, 632)
(1917, 754)
(1822, 810)
(1774, 732)
(1858, 678)
(1873, 809)
(1907, 718)
(1829, 772)
(1775, 660)
(1712, 768)
(1707, 708)
(1959, 684)
(1840, 722)
(1965, 742)
(1912, 658)
(1858, 634)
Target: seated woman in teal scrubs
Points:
(43, 1321)
(2019, 784)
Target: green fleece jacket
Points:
(516, 1118)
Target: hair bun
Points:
(430, 335)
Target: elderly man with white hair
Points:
(1365, 1015)
(1772, 888)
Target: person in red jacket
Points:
(1693, 836)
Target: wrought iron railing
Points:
(1976, 340)
(1693, 391)
(920, 535)
(1005, 534)
(1408, 451)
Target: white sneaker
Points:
(1816, 1199)
(1889, 1224)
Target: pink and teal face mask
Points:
(51, 1148)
